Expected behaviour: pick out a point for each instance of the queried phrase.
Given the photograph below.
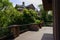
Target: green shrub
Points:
(37, 21)
(29, 16)
(4, 31)
(9, 17)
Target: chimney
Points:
(23, 3)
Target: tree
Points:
(8, 14)
(4, 19)
(43, 13)
(29, 16)
(4, 4)
(50, 16)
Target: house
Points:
(21, 7)
(31, 6)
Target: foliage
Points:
(29, 16)
(8, 16)
(43, 13)
(4, 4)
(4, 31)
(50, 16)
(11, 16)
(37, 21)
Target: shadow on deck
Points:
(47, 37)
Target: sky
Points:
(27, 2)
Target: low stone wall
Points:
(15, 29)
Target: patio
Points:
(45, 33)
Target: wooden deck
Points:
(46, 33)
